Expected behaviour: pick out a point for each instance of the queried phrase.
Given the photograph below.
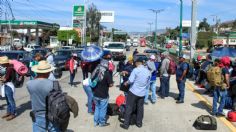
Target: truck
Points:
(117, 50)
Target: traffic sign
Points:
(78, 10)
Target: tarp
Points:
(224, 51)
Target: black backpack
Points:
(189, 74)
(57, 109)
(205, 122)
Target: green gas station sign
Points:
(78, 10)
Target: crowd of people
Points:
(217, 77)
(138, 79)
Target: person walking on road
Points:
(8, 88)
(135, 52)
(50, 60)
(73, 68)
(152, 66)
(38, 90)
(164, 76)
(138, 80)
(181, 72)
(101, 92)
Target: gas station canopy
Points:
(20, 24)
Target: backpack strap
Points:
(56, 86)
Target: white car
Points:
(31, 47)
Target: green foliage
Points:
(93, 23)
(68, 34)
(234, 25)
(204, 25)
(121, 38)
(47, 33)
(204, 39)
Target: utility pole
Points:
(217, 20)
(155, 33)
(180, 26)
(150, 24)
(193, 29)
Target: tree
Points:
(234, 25)
(204, 39)
(64, 36)
(47, 33)
(204, 26)
(93, 22)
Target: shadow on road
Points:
(173, 95)
(23, 107)
(202, 105)
(69, 130)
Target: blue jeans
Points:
(181, 87)
(40, 125)
(72, 76)
(165, 86)
(153, 89)
(89, 92)
(100, 111)
(218, 93)
(11, 105)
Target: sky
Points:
(130, 15)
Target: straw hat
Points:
(4, 60)
(43, 67)
(130, 58)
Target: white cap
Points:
(75, 55)
(153, 57)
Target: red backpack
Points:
(111, 66)
(232, 116)
(120, 100)
(172, 67)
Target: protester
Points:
(197, 65)
(50, 60)
(135, 52)
(84, 68)
(34, 62)
(111, 66)
(8, 88)
(152, 66)
(73, 68)
(221, 91)
(139, 80)
(181, 72)
(101, 92)
(164, 76)
(38, 90)
(126, 71)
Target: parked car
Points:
(143, 56)
(31, 47)
(117, 50)
(68, 47)
(61, 57)
(152, 51)
(21, 56)
(42, 51)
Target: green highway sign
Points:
(78, 10)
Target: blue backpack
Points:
(189, 74)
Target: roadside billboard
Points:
(187, 23)
(107, 17)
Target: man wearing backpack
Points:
(39, 90)
(8, 88)
(101, 93)
(181, 72)
(218, 76)
(164, 76)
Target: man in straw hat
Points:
(38, 90)
(8, 88)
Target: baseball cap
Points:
(153, 57)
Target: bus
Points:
(142, 42)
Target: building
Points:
(225, 39)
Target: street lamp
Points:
(156, 12)
(180, 26)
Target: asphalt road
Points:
(164, 116)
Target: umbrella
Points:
(91, 53)
(225, 51)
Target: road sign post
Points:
(79, 20)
